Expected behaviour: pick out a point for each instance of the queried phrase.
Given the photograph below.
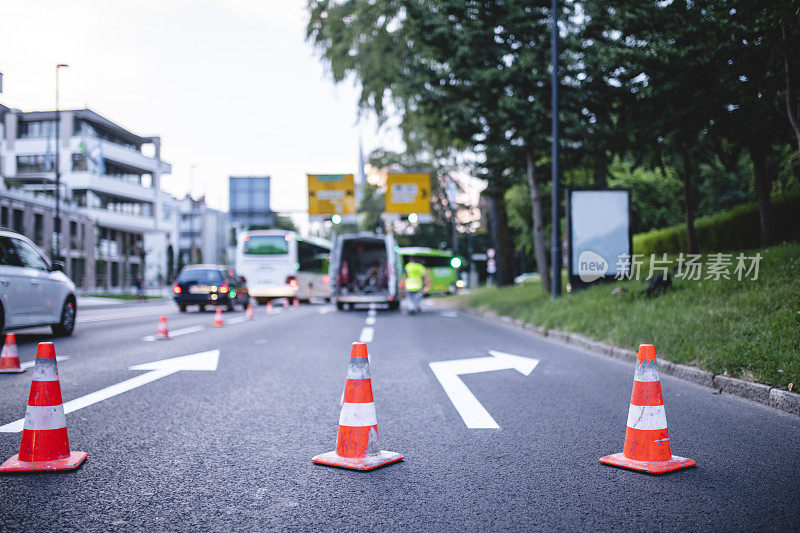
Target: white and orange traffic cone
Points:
(9, 359)
(647, 446)
(44, 446)
(269, 307)
(295, 303)
(357, 442)
(249, 312)
(286, 303)
(163, 330)
(218, 321)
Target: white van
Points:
(281, 264)
(365, 270)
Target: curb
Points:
(780, 399)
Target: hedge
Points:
(738, 228)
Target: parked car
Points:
(209, 285)
(33, 290)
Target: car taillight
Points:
(176, 289)
(326, 279)
(223, 288)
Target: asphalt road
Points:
(230, 449)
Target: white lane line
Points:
(450, 314)
(237, 320)
(325, 310)
(117, 316)
(366, 334)
(176, 333)
(370, 321)
(29, 364)
(372, 312)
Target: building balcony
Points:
(109, 185)
(132, 158)
(120, 221)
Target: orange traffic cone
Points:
(218, 321)
(9, 360)
(249, 312)
(44, 446)
(286, 303)
(357, 442)
(647, 446)
(163, 331)
(269, 307)
(295, 303)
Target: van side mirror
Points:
(243, 279)
(57, 266)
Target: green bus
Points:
(443, 267)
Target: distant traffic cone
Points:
(295, 303)
(249, 312)
(269, 307)
(286, 303)
(357, 442)
(647, 446)
(218, 321)
(44, 446)
(163, 331)
(9, 360)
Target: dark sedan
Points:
(209, 285)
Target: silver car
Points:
(33, 291)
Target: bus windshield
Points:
(266, 245)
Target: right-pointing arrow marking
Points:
(475, 416)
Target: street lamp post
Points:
(57, 248)
(192, 215)
(555, 252)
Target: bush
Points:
(735, 229)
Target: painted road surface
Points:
(499, 430)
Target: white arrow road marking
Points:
(176, 332)
(205, 361)
(475, 416)
(366, 334)
(29, 364)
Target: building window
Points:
(36, 128)
(16, 224)
(74, 237)
(78, 162)
(38, 228)
(34, 163)
(4, 216)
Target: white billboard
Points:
(599, 232)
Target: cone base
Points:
(369, 462)
(649, 467)
(14, 465)
(12, 370)
(163, 337)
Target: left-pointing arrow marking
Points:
(204, 361)
(475, 416)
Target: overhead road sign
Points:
(331, 194)
(408, 193)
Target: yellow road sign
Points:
(408, 193)
(331, 194)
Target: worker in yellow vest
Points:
(415, 280)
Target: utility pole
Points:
(192, 215)
(555, 252)
(57, 247)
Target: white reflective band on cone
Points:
(45, 370)
(9, 350)
(38, 417)
(358, 415)
(647, 417)
(646, 372)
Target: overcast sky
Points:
(230, 85)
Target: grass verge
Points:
(746, 329)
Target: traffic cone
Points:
(249, 312)
(218, 321)
(295, 303)
(163, 331)
(286, 303)
(269, 307)
(647, 446)
(357, 442)
(9, 360)
(44, 446)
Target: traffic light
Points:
(455, 262)
(413, 218)
(336, 219)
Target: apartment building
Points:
(109, 175)
(204, 233)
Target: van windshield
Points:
(266, 245)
